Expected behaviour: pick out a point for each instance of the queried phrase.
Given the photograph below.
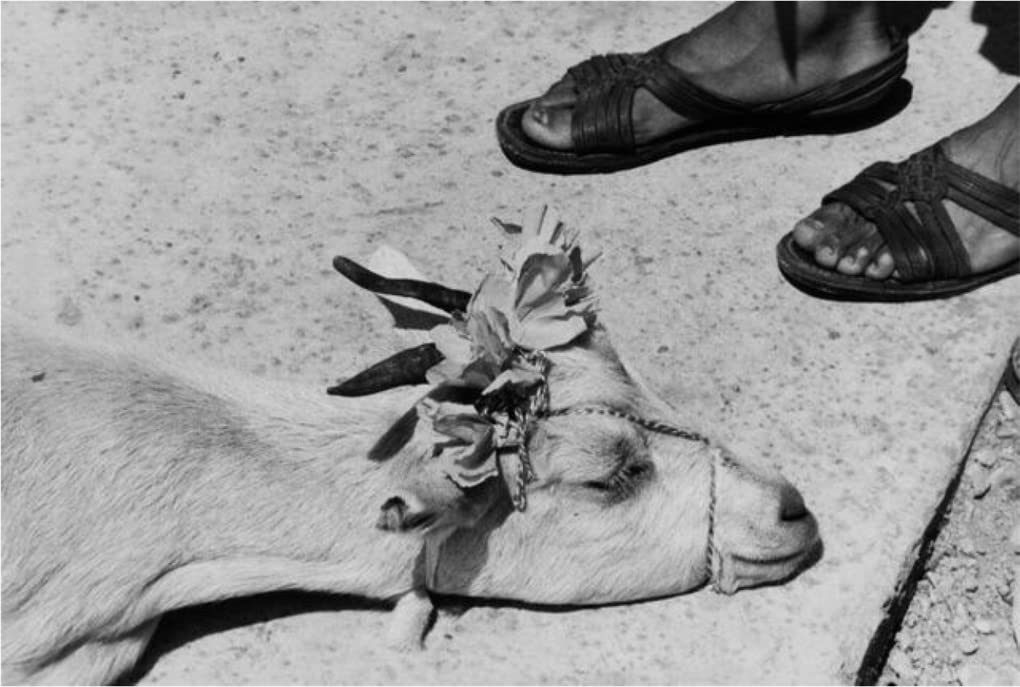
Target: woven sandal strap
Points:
(599, 69)
(898, 228)
(925, 244)
(995, 202)
(602, 119)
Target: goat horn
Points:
(406, 367)
(450, 300)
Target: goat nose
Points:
(791, 503)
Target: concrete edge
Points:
(877, 652)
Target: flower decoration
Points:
(540, 301)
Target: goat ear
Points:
(430, 502)
(404, 513)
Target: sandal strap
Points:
(924, 243)
(857, 91)
(598, 69)
(602, 118)
(606, 85)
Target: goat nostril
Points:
(791, 503)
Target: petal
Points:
(470, 466)
(550, 332)
(451, 343)
(479, 373)
(493, 292)
(539, 281)
(518, 377)
(445, 371)
(490, 332)
(469, 428)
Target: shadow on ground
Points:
(186, 625)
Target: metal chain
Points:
(650, 425)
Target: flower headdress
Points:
(541, 300)
(493, 348)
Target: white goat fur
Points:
(132, 488)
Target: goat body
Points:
(130, 490)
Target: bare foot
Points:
(841, 239)
(739, 53)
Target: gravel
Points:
(961, 624)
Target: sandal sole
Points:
(799, 268)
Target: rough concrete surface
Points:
(963, 624)
(183, 174)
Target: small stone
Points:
(984, 625)
(980, 484)
(1006, 475)
(968, 511)
(960, 620)
(975, 673)
(971, 585)
(1007, 431)
(1007, 406)
(899, 663)
(986, 457)
(967, 644)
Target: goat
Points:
(133, 486)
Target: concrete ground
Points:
(183, 174)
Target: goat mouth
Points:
(792, 558)
(775, 560)
(737, 571)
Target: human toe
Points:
(882, 266)
(548, 126)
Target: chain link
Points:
(650, 425)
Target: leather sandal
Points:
(602, 127)
(931, 261)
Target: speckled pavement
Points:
(183, 174)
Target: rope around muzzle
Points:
(711, 551)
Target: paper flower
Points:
(541, 301)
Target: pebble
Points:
(975, 673)
(900, 664)
(1006, 475)
(985, 625)
(1007, 406)
(960, 620)
(1007, 431)
(980, 484)
(987, 456)
(968, 644)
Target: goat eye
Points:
(636, 470)
(623, 482)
